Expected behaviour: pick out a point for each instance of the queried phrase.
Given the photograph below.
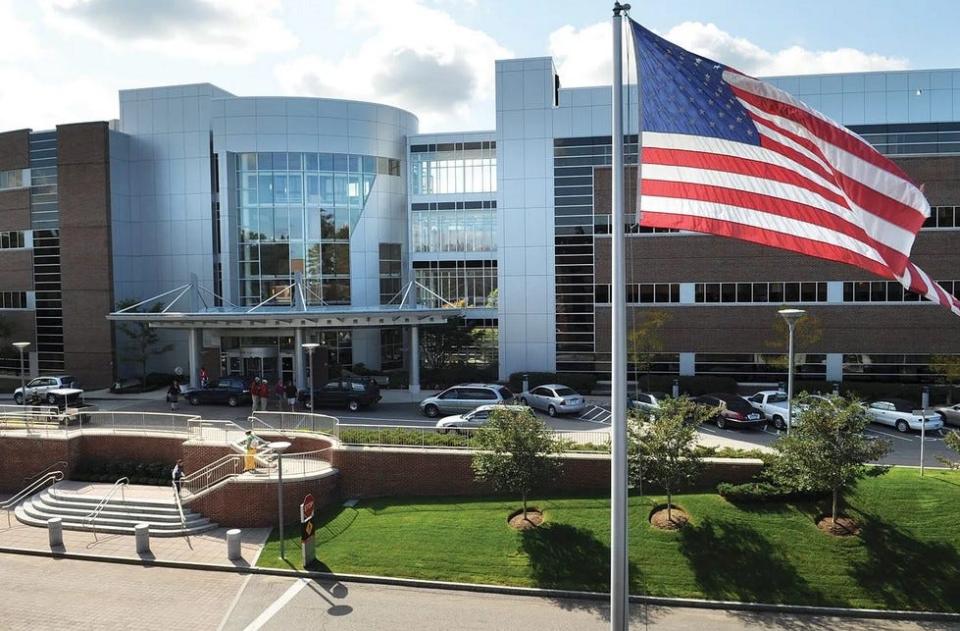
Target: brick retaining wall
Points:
(24, 457)
(382, 472)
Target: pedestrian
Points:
(264, 393)
(255, 393)
(278, 391)
(291, 392)
(249, 459)
(204, 380)
(173, 395)
(178, 475)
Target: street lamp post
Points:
(791, 317)
(279, 448)
(310, 347)
(23, 382)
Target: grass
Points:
(907, 556)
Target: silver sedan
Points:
(554, 399)
(950, 414)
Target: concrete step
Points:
(116, 516)
(117, 497)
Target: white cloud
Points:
(29, 101)
(17, 39)
(213, 31)
(412, 56)
(583, 55)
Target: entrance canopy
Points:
(191, 309)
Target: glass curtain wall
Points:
(296, 214)
(462, 167)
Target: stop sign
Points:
(307, 507)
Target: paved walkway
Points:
(209, 547)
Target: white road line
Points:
(903, 438)
(278, 604)
(236, 599)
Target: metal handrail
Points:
(30, 489)
(91, 518)
(217, 471)
(59, 463)
(176, 498)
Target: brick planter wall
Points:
(137, 448)
(383, 472)
(242, 504)
(24, 457)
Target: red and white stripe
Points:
(811, 186)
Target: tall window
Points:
(460, 283)
(463, 167)
(391, 266)
(454, 226)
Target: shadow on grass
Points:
(733, 561)
(334, 523)
(566, 557)
(905, 573)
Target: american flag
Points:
(723, 153)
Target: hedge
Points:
(155, 473)
(760, 492)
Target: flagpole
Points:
(619, 579)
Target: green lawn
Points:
(908, 555)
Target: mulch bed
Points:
(533, 520)
(844, 527)
(679, 519)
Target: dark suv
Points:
(352, 394)
(233, 391)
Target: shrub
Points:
(753, 492)
(458, 373)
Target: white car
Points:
(647, 401)
(903, 415)
(40, 388)
(473, 419)
(554, 399)
(773, 405)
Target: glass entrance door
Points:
(286, 368)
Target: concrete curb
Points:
(693, 603)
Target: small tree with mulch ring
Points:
(662, 446)
(827, 449)
(516, 449)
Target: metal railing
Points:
(296, 422)
(163, 422)
(91, 517)
(30, 489)
(215, 430)
(597, 441)
(58, 465)
(307, 462)
(214, 473)
(176, 499)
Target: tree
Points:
(493, 298)
(951, 440)
(644, 342)
(827, 449)
(662, 445)
(516, 453)
(806, 333)
(441, 343)
(948, 367)
(144, 340)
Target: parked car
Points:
(732, 409)
(465, 397)
(554, 399)
(352, 393)
(38, 389)
(903, 415)
(950, 414)
(232, 391)
(773, 405)
(473, 419)
(648, 401)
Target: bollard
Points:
(233, 545)
(142, 532)
(55, 532)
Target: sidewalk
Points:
(209, 548)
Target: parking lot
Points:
(595, 418)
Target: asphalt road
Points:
(41, 594)
(906, 447)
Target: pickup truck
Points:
(773, 405)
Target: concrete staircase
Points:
(118, 516)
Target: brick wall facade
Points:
(24, 457)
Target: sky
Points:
(64, 60)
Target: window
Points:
(13, 300)
(453, 230)
(391, 272)
(755, 293)
(878, 291)
(391, 349)
(17, 178)
(453, 168)
(460, 283)
(12, 240)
